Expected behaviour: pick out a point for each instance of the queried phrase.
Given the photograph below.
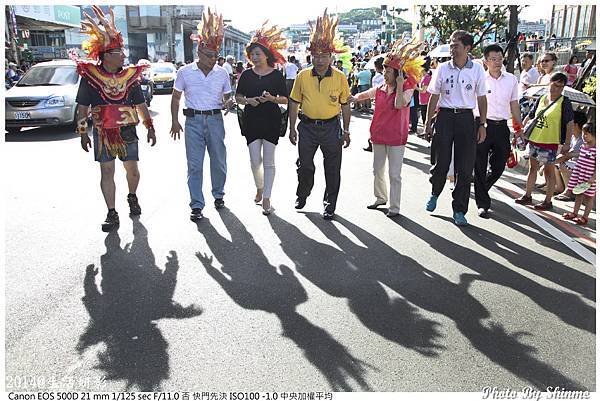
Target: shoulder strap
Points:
(550, 105)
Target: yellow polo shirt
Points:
(320, 99)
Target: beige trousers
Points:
(394, 156)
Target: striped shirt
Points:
(584, 169)
(202, 92)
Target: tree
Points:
(478, 20)
(513, 40)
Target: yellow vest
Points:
(547, 129)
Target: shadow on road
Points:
(436, 294)
(135, 293)
(254, 284)
(43, 134)
(346, 274)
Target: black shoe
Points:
(219, 203)
(300, 203)
(328, 215)
(483, 212)
(196, 214)
(134, 206)
(111, 222)
(376, 205)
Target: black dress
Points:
(264, 120)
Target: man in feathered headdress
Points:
(321, 91)
(207, 90)
(115, 97)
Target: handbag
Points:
(283, 123)
(531, 124)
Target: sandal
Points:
(524, 200)
(564, 198)
(543, 206)
(580, 220)
(569, 216)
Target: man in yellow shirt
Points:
(320, 92)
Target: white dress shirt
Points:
(291, 70)
(458, 87)
(202, 92)
(500, 92)
(529, 77)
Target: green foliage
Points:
(477, 20)
(590, 87)
(358, 15)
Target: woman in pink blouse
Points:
(390, 124)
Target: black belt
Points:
(192, 112)
(456, 111)
(308, 120)
(494, 122)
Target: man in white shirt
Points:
(529, 75)
(502, 102)
(291, 70)
(457, 85)
(207, 91)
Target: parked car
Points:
(45, 96)
(163, 76)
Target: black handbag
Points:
(283, 124)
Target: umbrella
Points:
(441, 51)
(573, 94)
(371, 64)
(592, 47)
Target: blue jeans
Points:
(205, 132)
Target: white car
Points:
(45, 96)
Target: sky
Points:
(245, 15)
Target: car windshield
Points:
(162, 69)
(50, 75)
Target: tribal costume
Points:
(113, 88)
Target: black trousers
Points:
(456, 129)
(289, 84)
(328, 137)
(494, 149)
(414, 112)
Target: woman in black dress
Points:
(262, 89)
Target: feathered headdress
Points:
(322, 35)
(271, 39)
(210, 31)
(103, 36)
(406, 57)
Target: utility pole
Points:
(11, 27)
(171, 20)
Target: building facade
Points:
(572, 21)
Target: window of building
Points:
(568, 15)
(133, 11)
(38, 38)
(580, 31)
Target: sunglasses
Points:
(546, 61)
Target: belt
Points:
(188, 112)
(494, 122)
(456, 111)
(308, 120)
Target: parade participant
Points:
(584, 174)
(457, 85)
(390, 124)
(553, 127)
(262, 89)
(207, 90)
(322, 91)
(565, 163)
(502, 102)
(115, 97)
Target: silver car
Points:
(45, 96)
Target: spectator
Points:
(547, 64)
(239, 68)
(308, 62)
(291, 70)
(364, 83)
(565, 163)
(423, 94)
(571, 70)
(554, 126)
(340, 66)
(584, 174)
(221, 61)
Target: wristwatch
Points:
(484, 125)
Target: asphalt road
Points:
(289, 302)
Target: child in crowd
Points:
(584, 173)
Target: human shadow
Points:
(418, 165)
(569, 307)
(430, 291)
(339, 274)
(43, 134)
(254, 284)
(135, 293)
(541, 265)
(439, 295)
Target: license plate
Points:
(159, 86)
(22, 115)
